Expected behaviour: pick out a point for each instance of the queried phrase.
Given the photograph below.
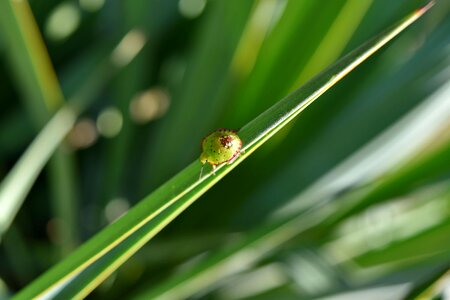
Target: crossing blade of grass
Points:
(152, 214)
(433, 288)
(16, 185)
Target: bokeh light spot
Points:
(91, 5)
(109, 122)
(63, 21)
(116, 208)
(83, 134)
(191, 8)
(128, 47)
(149, 105)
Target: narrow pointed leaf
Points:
(88, 266)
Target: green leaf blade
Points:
(143, 221)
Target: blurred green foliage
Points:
(367, 165)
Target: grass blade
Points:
(433, 288)
(316, 219)
(123, 238)
(20, 179)
(202, 91)
(42, 95)
(28, 53)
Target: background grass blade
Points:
(203, 92)
(16, 186)
(125, 236)
(431, 289)
(418, 163)
(366, 104)
(132, 83)
(28, 53)
(311, 222)
(18, 182)
(37, 80)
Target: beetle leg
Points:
(233, 159)
(201, 172)
(214, 170)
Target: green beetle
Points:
(220, 147)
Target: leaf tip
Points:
(424, 9)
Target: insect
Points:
(219, 147)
